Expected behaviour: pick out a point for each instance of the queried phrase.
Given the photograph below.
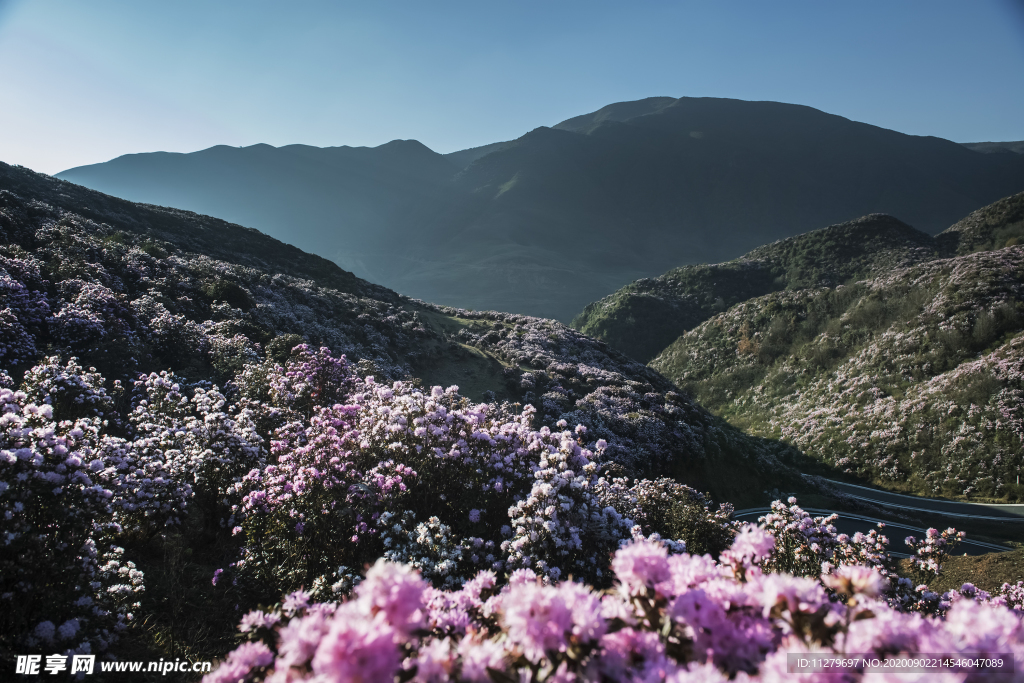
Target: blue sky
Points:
(83, 82)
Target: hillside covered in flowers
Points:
(202, 429)
(910, 375)
(644, 317)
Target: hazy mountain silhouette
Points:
(565, 215)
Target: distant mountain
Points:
(996, 147)
(561, 216)
(465, 157)
(340, 202)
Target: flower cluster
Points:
(423, 477)
(667, 618)
(56, 513)
(808, 546)
(931, 550)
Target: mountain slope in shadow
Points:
(561, 216)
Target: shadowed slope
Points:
(561, 216)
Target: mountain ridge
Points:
(670, 304)
(565, 214)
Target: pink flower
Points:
(434, 662)
(628, 650)
(856, 580)
(641, 565)
(543, 618)
(298, 640)
(357, 648)
(396, 591)
(792, 593)
(240, 662)
(751, 543)
(687, 571)
(478, 656)
(294, 602)
(258, 619)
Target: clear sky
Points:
(83, 81)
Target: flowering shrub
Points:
(62, 580)
(201, 441)
(674, 513)
(667, 618)
(23, 309)
(421, 477)
(931, 550)
(808, 546)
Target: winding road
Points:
(948, 508)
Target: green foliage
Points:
(229, 292)
(153, 249)
(280, 347)
(996, 226)
(646, 316)
(907, 379)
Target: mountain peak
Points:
(620, 111)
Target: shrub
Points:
(669, 618)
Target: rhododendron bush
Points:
(418, 476)
(668, 617)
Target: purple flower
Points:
(357, 648)
(396, 592)
(853, 580)
(641, 565)
(546, 618)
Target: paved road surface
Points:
(949, 508)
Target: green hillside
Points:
(646, 316)
(911, 378)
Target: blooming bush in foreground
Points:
(62, 580)
(668, 617)
(420, 476)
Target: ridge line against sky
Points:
(82, 83)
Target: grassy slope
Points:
(987, 572)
